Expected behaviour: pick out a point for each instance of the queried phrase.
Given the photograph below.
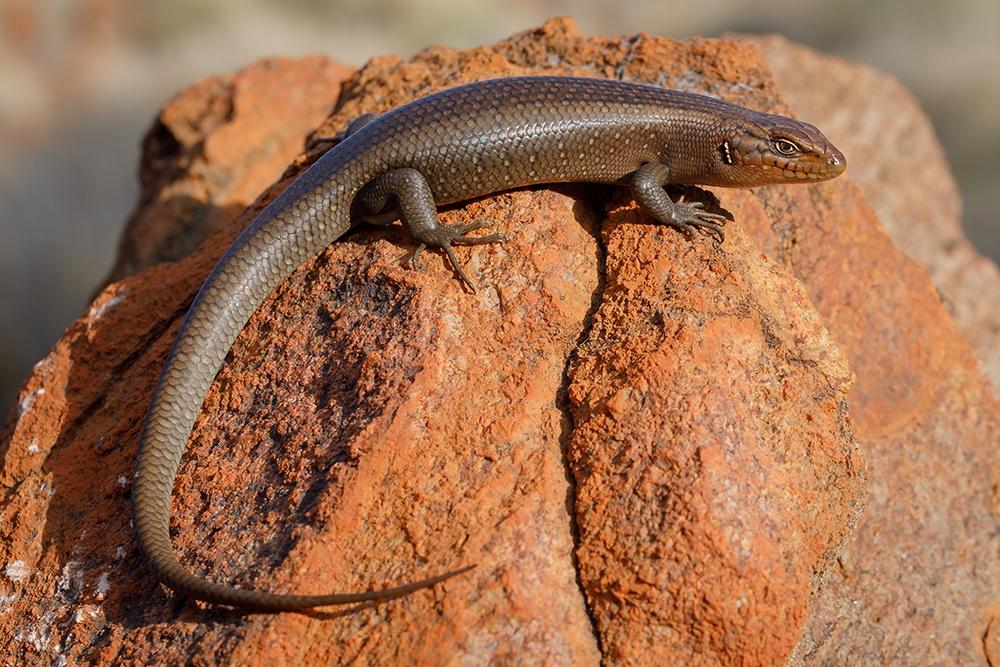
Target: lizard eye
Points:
(785, 147)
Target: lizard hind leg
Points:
(414, 204)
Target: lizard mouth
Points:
(811, 166)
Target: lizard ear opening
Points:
(726, 153)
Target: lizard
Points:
(454, 145)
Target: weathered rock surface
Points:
(716, 472)
(643, 443)
(215, 147)
(899, 163)
(920, 581)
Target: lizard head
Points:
(766, 149)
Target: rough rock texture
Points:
(931, 519)
(716, 472)
(642, 442)
(215, 147)
(918, 582)
(899, 163)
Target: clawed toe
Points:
(459, 234)
(480, 240)
(713, 229)
(447, 236)
(446, 246)
(462, 230)
(320, 139)
(414, 263)
(458, 267)
(691, 216)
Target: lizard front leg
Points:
(647, 184)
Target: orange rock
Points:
(920, 581)
(642, 442)
(711, 504)
(215, 147)
(900, 165)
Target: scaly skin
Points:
(459, 144)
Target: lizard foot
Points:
(691, 216)
(446, 236)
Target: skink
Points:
(458, 144)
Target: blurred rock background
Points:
(80, 80)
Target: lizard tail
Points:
(160, 554)
(264, 255)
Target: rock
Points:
(642, 442)
(900, 165)
(716, 469)
(213, 149)
(919, 582)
